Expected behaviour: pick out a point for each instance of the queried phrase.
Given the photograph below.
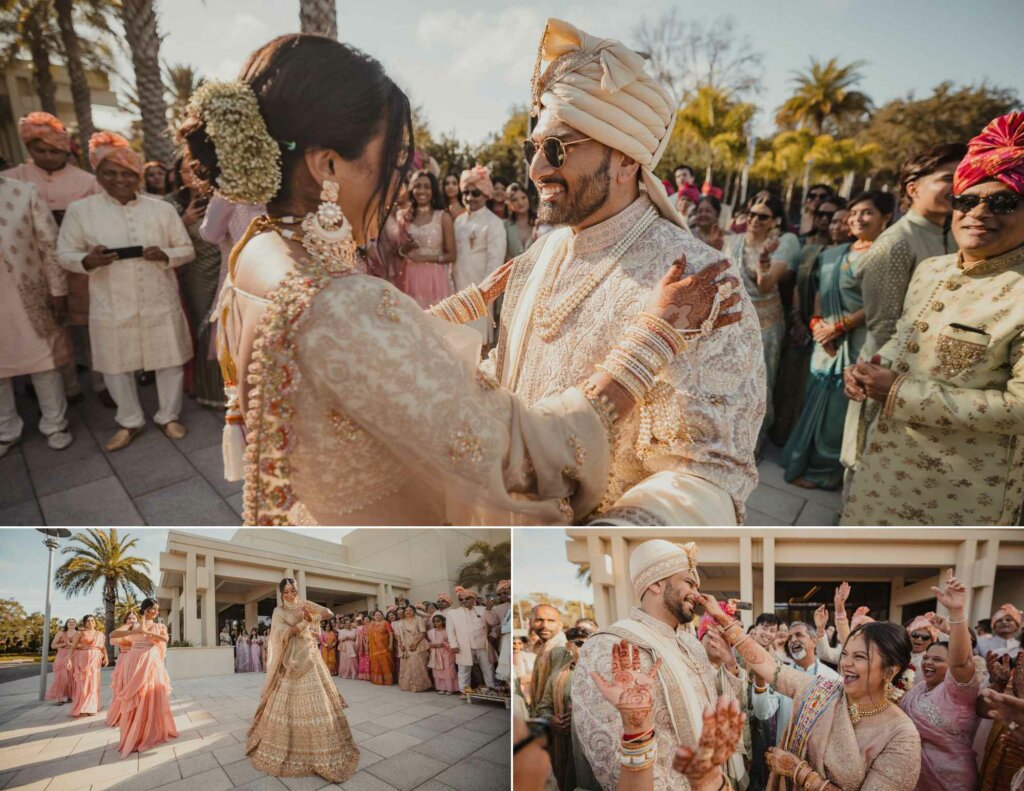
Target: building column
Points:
(210, 629)
(747, 578)
(174, 616)
(251, 613)
(768, 578)
(622, 588)
(302, 585)
(966, 555)
(190, 622)
(895, 610)
(604, 603)
(980, 605)
(382, 596)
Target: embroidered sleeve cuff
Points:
(890, 400)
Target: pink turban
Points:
(920, 622)
(998, 152)
(444, 597)
(479, 177)
(1007, 609)
(470, 592)
(45, 127)
(109, 145)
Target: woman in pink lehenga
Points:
(117, 679)
(348, 661)
(363, 649)
(242, 652)
(300, 728)
(430, 252)
(442, 658)
(62, 685)
(144, 698)
(89, 654)
(255, 651)
(411, 639)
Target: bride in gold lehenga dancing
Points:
(300, 728)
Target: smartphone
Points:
(126, 252)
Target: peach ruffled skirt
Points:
(144, 701)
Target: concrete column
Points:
(210, 629)
(964, 569)
(389, 593)
(174, 616)
(980, 605)
(895, 610)
(382, 595)
(768, 580)
(251, 615)
(302, 585)
(622, 588)
(747, 578)
(190, 622)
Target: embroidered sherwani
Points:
(480, 243)
(701, 423)
(945, 448)
(30, 340)
(135, 317)
(597, 725)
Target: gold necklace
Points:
(857, 714)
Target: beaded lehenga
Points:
(300, 727)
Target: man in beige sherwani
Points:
(686, 456)
(468, 626)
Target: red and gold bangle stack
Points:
(809, 780)
(466, 306)
(814, 322)
(648, 345)
(639, 751)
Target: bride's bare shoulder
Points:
(262, 264)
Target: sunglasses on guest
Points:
(920, 636)
(824, 215)
(539, 730)
(817, 195)
(473, 193)
(554, 149)
(756, 215)
(999, 203)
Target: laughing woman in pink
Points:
(62, 684)
(89, 654)
(117, 678)
(144, 698)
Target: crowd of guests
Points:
(953, 704)
(421, 646)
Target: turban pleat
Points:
(45, 127)
(998, 152)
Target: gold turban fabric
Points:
(599, 87)
(110, 145)
(45, 127)
(658, 559)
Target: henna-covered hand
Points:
(685, 301)
(630, 691)
(821, 619)
(998, 670)
(781, 762)
(721, 732)
(493, 286)
(713, 608)
(1004, 708)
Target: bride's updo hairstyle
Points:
(316, 93)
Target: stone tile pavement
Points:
(157, 481)
(406, 740)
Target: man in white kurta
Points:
(468, 626)
(33, 302)
(686, 456)
(135, 319)
(480, 239)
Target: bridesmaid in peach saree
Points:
(62, 684)
(144, 694)
(348, 664)
(117, 679)
(300, 728)
(88, 655)
(410, 632)
(380, 647)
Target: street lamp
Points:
(51, 542)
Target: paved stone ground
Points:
(157, 481)
(423, 741)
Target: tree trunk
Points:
(140, 30)
(79, 81)
(42, 80)
(109, 597)
(319, 16)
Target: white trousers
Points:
(466, 671)
(124, 390)
(53, 405)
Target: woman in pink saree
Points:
(89, 654)
(117, 678)
(144, 697)
(61, 687)
(348, 661)
(300, 728)
(943, 706)
(442, 659)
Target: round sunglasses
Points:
(999, 203)
(554, 148)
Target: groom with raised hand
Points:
(686, 456)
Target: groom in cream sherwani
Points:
(686, 456)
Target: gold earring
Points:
(890, 690)
(328, 213)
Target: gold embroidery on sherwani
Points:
(957, 354)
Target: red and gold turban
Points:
(998, 152)
(109, 145)
(45, 127)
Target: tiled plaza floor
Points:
(157, 481)
(406, 741)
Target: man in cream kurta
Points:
(686, 456)
(664, 576)
(480, 239)
(468, 626)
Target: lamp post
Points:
(51, 542)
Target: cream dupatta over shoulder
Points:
(300, 728)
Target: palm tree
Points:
(714, 118)
(25, 26)
(182, 81)
(823, 98)
(124, 606)
(319, 16)
(583, 574)
(494, 564)
(140, 28)
(103, 557)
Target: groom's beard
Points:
(589, 195)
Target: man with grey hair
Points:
(800, 650)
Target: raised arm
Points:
(953, 596)
(842, 622)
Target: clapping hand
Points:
(998, 670)
(723, 727)
(630, 690)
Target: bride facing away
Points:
(300, 728)
(358, 407)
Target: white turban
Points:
(599, 87)
(657, 559)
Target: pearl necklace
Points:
(548, 319)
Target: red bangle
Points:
(840, 327)
(814, 322)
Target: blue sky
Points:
(23, 565)
(468, 61)
(540, 566)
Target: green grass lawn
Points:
(22, 658)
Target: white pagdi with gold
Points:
(658, 559)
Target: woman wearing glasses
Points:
(944, 448)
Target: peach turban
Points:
(45, 127)
(444, 597)
(467, 592)
(998, 152)
(920, 622)
(1007, 609)
(109, 145)
(599, 87)
(479, 177)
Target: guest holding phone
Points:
(136, 321)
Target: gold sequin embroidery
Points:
(388, 303)
(956, 356)
(465, 446)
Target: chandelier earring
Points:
(890, 690)
(327, 235)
